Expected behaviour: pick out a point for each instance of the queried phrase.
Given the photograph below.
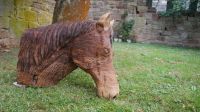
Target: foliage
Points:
(125, 29)
(153, 78)
(193, 6)
(176, 8)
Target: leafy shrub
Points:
(125, 29)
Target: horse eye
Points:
(111, 39)
(111, 35)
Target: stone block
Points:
(4, 22)
(30, 15)
(33, 25)
(44, 18)
(17, 26)
(43, 7)
(18, 3)
(5, 11)
(142, 9)
(28, 2)
(121, 5)
(4, 34)
(20, 14)
(9, 42)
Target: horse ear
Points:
(106, 17)
(104, 21)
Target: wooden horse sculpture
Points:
(48, 54)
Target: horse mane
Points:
(39, 43)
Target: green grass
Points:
(153, 78)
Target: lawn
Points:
(153, 78)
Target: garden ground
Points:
(153, 78)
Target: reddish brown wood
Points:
(48, 54)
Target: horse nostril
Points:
(114, 96)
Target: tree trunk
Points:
(71, 10)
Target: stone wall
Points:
(117, 7)
(18, 15)
(149, 27)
